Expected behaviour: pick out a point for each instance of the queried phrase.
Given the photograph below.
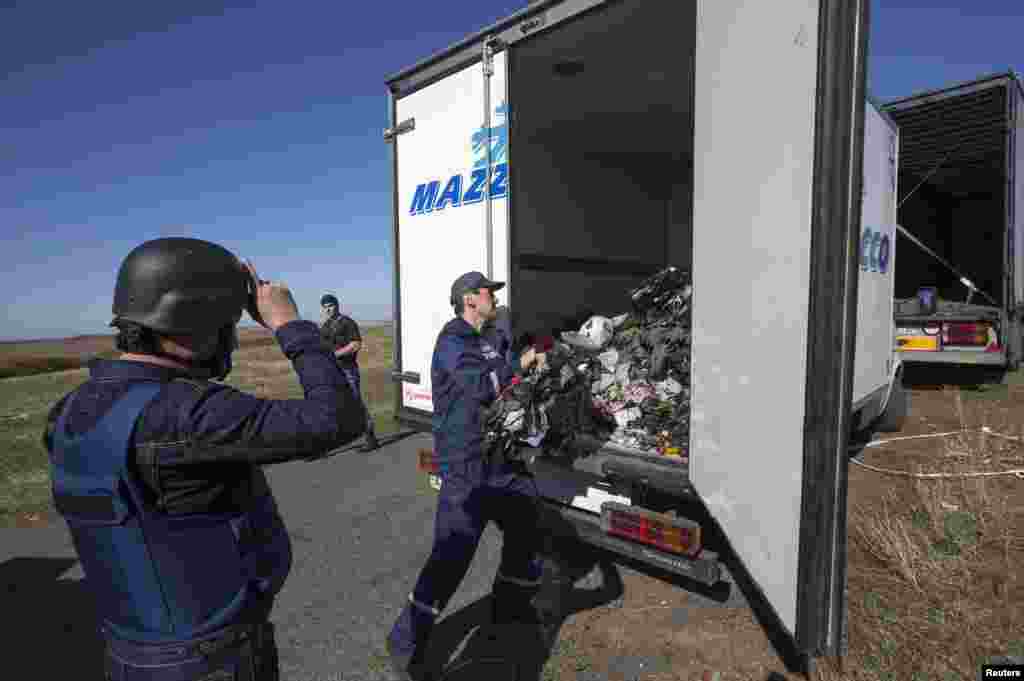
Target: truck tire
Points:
(894, 417)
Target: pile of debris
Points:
(623, 379)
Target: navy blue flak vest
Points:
(156, 578)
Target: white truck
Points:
(578, 146)
(962, 179)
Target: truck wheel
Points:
(894, 417)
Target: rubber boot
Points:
(371, 443)
(407, 642)
(371, 439)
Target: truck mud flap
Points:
(586, 527)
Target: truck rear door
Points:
(442, 144)
(776, 221)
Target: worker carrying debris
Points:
(468, 372)
(623, 379)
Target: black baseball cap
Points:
(471, 281)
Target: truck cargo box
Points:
(579, 146)
(962, 206)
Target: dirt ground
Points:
(935, 580)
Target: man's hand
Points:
(532, 357)
(354, 346)
(274, 302)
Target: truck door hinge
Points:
(403, 127)
(490, 46)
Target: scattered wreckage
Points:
(624, 379)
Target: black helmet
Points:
(329, 299)
(178, 285)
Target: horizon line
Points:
(250, 325)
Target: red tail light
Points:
(965, 334)
(668, 533)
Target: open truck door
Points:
(450, 164)
(772, 357)
(731, 147)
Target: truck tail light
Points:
(428, 462)
(966, 334)
(665, 532)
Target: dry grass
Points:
(36, 380)
(935, 583)
(935, 578)
(30, 358)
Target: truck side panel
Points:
(878, 245)
(752, 209)
(1017, 192)
(442, 208)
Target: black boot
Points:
(407, 642)
(371, 443)
(371, 437)
(513, 601)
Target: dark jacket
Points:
(499, 334)
(466, 375)
(199, 445)
(339, 331)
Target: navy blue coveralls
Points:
(186, 455)
(467, 373)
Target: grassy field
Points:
(935, 577)
(34, 375)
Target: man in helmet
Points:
(467, 374)
(157, 468)
(341, 333)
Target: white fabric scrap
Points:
(579, 340)
(668, 388)
(602, 384)
(514, 421)
(625, 416)
(609, 359)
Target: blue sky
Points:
(260, 128)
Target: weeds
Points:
(932, 567)
(566, 656)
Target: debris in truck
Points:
(622, 379)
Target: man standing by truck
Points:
(342, 333)
(467, 374)
(158, 469)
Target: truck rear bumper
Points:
(559, 489)
(993, 359)
(586, 527)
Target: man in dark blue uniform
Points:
(157, 468)
(467, 374)
(341, 333)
